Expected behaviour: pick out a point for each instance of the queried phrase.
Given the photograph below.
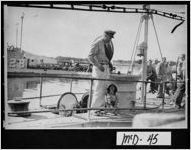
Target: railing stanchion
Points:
(145, 92)
(90, 99)
(163, 91)
(41, 81)
(71, 85)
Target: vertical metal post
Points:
(163, 93)
(176, 73)
(41, 81)
(16, 34)
(22, 17)
(90, 98)
(71, 85)
(144, 59)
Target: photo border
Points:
(85, 138)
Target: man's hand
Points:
(101, 68)
(111, 67)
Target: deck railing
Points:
(90, 95)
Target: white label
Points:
(143, 138)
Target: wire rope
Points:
(157, 37)
(134, 46)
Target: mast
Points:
(22, 17)
(144, 58)
(16, 34)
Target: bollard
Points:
(18, 105)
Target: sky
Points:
(69, 33)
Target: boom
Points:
(95, 7)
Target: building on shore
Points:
(18, 59)
(15, 58)
(71, 61)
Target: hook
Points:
(176, 27)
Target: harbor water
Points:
(30, 88)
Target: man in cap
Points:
(181, 67)
(152, 76)
(100, 56)
(161, 75)
(180, 91)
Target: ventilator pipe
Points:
(141, 47)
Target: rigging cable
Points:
(156, 37)
(134, 46)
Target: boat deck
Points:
(49, 120)
(54, 121)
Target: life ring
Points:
(67, 100)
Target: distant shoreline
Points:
(21, 73)
(39, 72)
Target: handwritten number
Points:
(152, 139)
(155, 138)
